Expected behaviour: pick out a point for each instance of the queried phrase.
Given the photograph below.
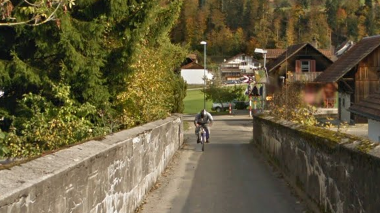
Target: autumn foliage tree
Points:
(275, 24)
(222, 94)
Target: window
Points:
(305, 66)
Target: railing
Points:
(303, 76)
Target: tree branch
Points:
(34, 21)
(50, 18)
(31, 4)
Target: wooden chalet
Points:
(301, 62)
(357, 75)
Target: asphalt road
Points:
(230, 176)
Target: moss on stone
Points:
(365, 146)
(318, 136)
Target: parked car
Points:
(232, 82)
(219, 107)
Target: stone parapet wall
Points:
(330, 170)
(110, 175)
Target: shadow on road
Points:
(234, 178)
(231, 176)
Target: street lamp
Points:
(283, 80)
(286, 96)
(204, 43)
(264, 52)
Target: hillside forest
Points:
(234, 26)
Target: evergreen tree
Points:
(303, 3)
(91, 54)
(234, 17)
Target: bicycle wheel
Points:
(203, 146)
(203, 142)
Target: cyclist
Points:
(203, 119)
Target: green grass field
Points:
(194, 102)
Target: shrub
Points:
(3, 149)
(288, 104)
(50, 127)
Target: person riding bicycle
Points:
(203, 119)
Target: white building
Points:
(237, 66)
(193, 73)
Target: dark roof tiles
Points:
(349, 60)
(192, 65)
(274, 53)
(285, 55)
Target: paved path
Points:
(230, 176)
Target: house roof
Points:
(292, 50)
(349, 60)
(193, 65)
(235, 57)
(274, 53)
(369, 107)
(328, 53)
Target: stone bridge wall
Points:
(111, 175)
(334, 175)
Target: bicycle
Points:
(202, 136)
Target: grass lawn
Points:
(194, 86)
(194, 102)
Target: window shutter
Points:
(312, 66)
(298, 66)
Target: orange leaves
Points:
(341, 15)
(6, 8)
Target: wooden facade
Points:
(367, 79)
(357, 75)
(302, 61)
